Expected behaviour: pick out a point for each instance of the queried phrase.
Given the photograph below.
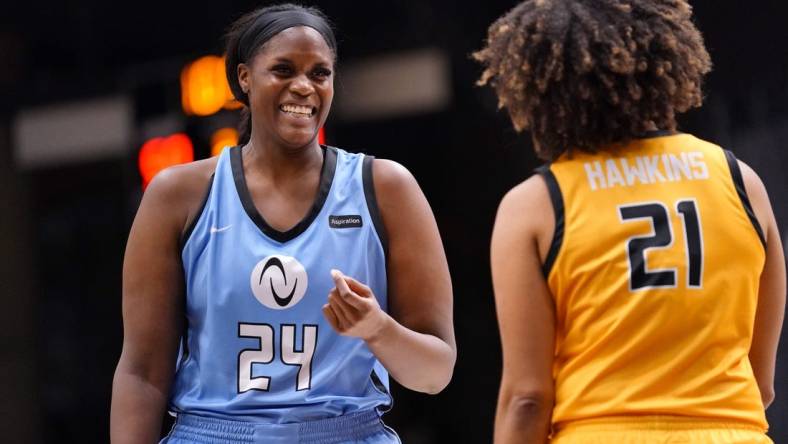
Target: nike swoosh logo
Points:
(219, 230)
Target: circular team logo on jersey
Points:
(279, 282)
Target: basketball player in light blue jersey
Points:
(269, 293)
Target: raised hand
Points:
(353, 310)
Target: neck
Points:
(278, 162)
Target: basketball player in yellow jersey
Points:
(639, 277)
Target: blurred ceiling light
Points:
(204, 87)
(222, 138)
(73, 132)
(392, 85)
(161, 152)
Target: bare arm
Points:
(152, 315)
(771, 294)
(416, 343)
(526, 316)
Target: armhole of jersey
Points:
(184, 346)
(198, 215)
(558, 210)
(379, 386)
(372, 202)
(738, 182)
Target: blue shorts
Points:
(364, 427)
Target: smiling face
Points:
(290, 86)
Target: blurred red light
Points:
(161, 152)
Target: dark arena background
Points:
(84, 84)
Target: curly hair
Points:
(583, 74)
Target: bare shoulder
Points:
(396, 190)
(179, 190)
(751, 179)
(529, 198)
(390, 175)
(399, 199)
(526, 195)
(759, 198)
(526, 213)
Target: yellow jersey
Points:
(654, 269)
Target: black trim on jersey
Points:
(738, 181)
(380, 387)
(189, 229)
(558, 209)
(326, 178)
(372, 201)
(658, 133)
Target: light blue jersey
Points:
(257, 346)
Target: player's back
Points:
(654, 269)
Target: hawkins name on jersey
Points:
(668, 167)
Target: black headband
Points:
(272, 23)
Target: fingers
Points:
(344, 311)
(352, 309)
(345, 292)
(339, 281)
(357, 287)
(332, 318)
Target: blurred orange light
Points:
(204, 87)
(161, 152)
(321, 136)
(222, 138)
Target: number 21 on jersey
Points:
(640, 277)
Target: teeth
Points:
(297, 109)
